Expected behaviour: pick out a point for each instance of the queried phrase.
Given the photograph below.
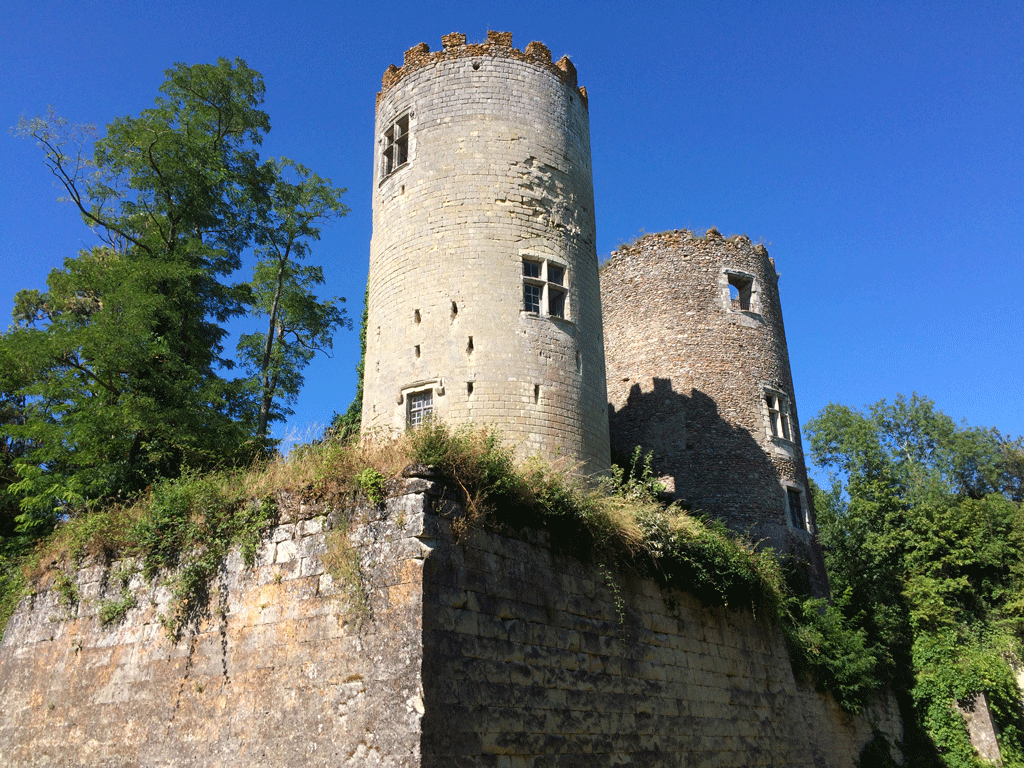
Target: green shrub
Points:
(341, 561)
(824, 647)
(188, 527)
(373, 482)
(14, 552)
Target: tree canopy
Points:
(116, 374)
(923, 529)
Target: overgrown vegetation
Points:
(923, 529)
(115, 376)
(341, 561)
(926, 580)
(183, 527)
(620, 521)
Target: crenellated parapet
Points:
(498, 44)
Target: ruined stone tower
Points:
(698, 372)
(484, 304)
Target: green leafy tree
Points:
(923, 528)
(298, 323)
(119, 366)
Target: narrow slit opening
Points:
(469, 346)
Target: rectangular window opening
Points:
(796, 509)
(421, 406)
(740, 291)
(396, 147)
(779, 418)
(556, 302)
(532, 297)
(544, 288)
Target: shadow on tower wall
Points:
(711, 467)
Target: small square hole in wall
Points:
(740, 291)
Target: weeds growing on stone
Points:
(341, 561)
(185, 527)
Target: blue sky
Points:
(876, 148)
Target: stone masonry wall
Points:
(689, 369)
(498, 172)
(534, 659)
(281, 671)
(483, 650)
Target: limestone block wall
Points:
(483, 650)
(495, 171)
(532, 658)
(690, 373)
(280, 671)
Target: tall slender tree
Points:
(298, 323)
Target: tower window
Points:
(796, 509)
(740, 292)
(779, 419)
(396, 147)
(740, 289)
(421, 405)
(544, 288)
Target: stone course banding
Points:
(498, 170)
(480, 650)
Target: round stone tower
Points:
(484, 304)
(698, 373)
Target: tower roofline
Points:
(498, 44)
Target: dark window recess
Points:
(469, 345)
(455, 310)
(556, 302)
(796, 509)
(396, 147)
(417, 350)
(544, 288)
(416, 315)
(741, 289)
(469, 387)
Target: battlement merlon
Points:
(498, 44)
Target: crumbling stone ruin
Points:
(698, 373)
(475, 647)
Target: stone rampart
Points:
(483, 650)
